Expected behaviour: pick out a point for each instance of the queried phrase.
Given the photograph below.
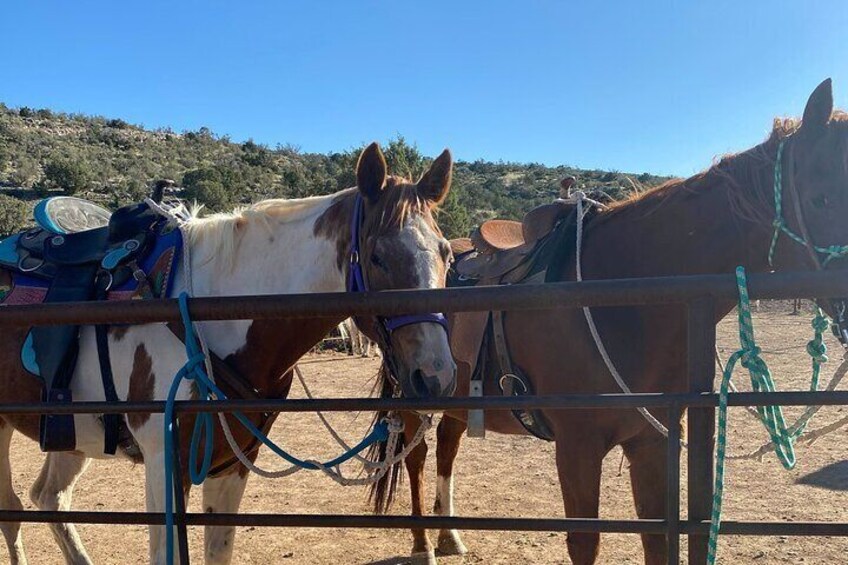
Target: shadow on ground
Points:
(832, 477)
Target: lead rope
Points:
(783, 438)
(198, 369)
(375, 470)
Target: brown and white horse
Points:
(273, 247)
(709, 223)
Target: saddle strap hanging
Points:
(532, 420)
(111, 422)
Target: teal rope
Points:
(782, 437)
(204, 427)
(830, 252)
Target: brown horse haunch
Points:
(706, 224)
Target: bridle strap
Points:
(802, 222)
(831, 252)
(356, 283)
(840, 324)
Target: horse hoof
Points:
(423, 558)
(450, 544)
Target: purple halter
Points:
(356, 279)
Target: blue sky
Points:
(633, 86)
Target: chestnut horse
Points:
(273, 247)
(709, 223)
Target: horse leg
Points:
(648, 457)
(422, 549)
(154, 491)
(579, 469)
(222, 494)
(448, 436)
(9, 500)
(53, 490)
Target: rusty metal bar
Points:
(564, 402)
(729, 527)
(701, 338)
(619, 292)
(672, 513)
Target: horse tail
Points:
(382, 492)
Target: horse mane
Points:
(224, 230)
(740, 172)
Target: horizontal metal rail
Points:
(646, 526)
(618, 292)
(554, 402)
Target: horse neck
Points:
(269, 256)
(273, 255)
(708, 224)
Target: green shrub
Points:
(25, 172)
(14, 215)
(69, 175)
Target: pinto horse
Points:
(709, 223)
(273, 247)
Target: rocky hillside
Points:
(113, 162)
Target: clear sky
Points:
(633, 86)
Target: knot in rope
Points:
(834, 252)
(188, 370)
(394, 424)
(751, 359)
(817, 350)
(820, 324)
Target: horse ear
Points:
(371, 172)
(435, 183)
(819, 108)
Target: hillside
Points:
(113, 162)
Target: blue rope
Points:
(204, 428)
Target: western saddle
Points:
(507, 252)
(80, 251)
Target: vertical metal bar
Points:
(701, 365)
(673, 484)
(179, 497)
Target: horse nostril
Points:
(423, 385)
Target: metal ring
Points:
(29, 269)
(513, 377)
(111, 280)
(354, 257)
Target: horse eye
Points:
(378, 262)
(820, 201)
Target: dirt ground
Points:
(498, 476)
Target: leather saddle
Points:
(508, 251)
(81, 251)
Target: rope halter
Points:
(829, 252)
